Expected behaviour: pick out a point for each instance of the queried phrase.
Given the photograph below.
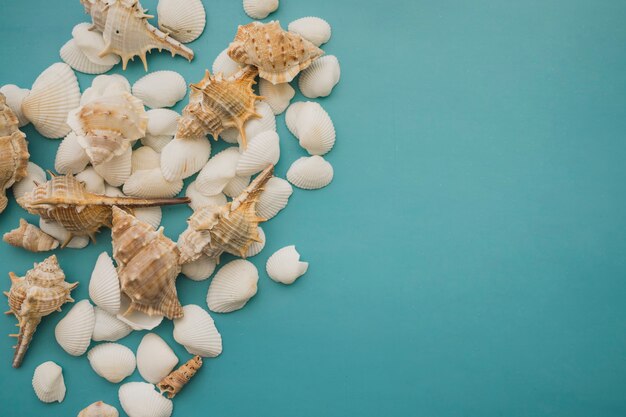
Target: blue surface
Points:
(468, 258)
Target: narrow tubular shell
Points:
(117, 170)
(284, 265)
(71, 158)
(112, 361)
(145, 158)
(75, 58)
(233, 285)
(256, 247)
(99, 409)
(320, 78)
(108, 327)
(155, 359)
(253, 127)
(161, 128)
(150, 183)
(216, 174)
(174, 382)
(314, 29)
(263, 150)
(310, 173)
(197, 332)
(200, 269)
(259, 9)
(160, 89)
(139, 399)
(314, 129)
(274, 197)
(48, 382)
(277, 96)
(183, 20)
(15, 96)
(199, 200)
(224, 65)
(31, 238)
(94, 183)
(34, 175)
(181, 158)
(74, 331)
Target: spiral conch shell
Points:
(41, 292)
(230, 228)
(147, 266)
(174, 382)
(30, 238)
(279, 55)
(13, 151)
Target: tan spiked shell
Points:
(176, 380)
(13, 151)
(30, 238)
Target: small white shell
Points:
(99, 409)
(291, 117)
(139, 399)
(137, 320)
(284, 265)
(71, 158)
(91, 43)
(256, 247)
(117, 170)
(105, 85)
(253, 127)
(155, 359)
(145, 158)
(277, 96)
(197, 332)
(233, 285)
(160, 88)
(274, 197)
(35, 175)
(108, 327)
(161, 128)
(73, 332)
(150, 215)
(181, 158)
(94, 183)
(225, 64)
(151, 184)
(263, 149)
(310, 173)
(313, 29)
(182, 20)
(320, 77)
(200, 269)
(259, 9)
(104, 285)
(48, 382)
(75, 58)
(314, 128)
(200, 200)
(15, 96)
(112, 361)
(61, 234)
(220, 169)
(236, 185)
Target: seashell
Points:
(258, 43)
(196, 331)
(310, 173)
(72, 55)
(161, 128)
(200, 269)
(73, 332)
(314, 128)
(319, 79)
(274, 198)
(218, 172)
(256, 247)
(184, 157)
(259, 9)
(160, 88)
(225, 65)
(313, 29)
(264, 150)
(34, 175)
(147, 266)
(104, 285)
(111, 191)
(155, 359)
(61, 234)
(112, 361)
(199, 200)
(182, 20)
(99, 409)
(151, 184)
(14, 97)
(230, 228)
(136, 319)
(253, 127)
(108, 327)
(174, 382)
(237, 185)
(291, 117)
(53, 94)
(42, 291)
(233, 285)
(105, 85)
(71, 158)
(90, 43)
(284, 265)
(277, 96)
(139, 399)
(30, 238)
(93, 182)
(13, 151)
(145, 158)
(117, 170)
(150, 215)
(48, 382)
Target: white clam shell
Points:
(108, 327)
(72, 55)
(139, 399)
(136, 319)
(310, 173)
(284, 265)
(314, 129)
(233, 285)
(99, 409)
(200, 269)
(91, 43)
(183, 20)
(48, 382)
(161, 128)
(236, 185)
(259, 9)
(150, 215)
(151, 184)
(104, 285)
(181, 158)
(277, 96)
(15, 96)
(313, 29)
(73, 332)
(253, 127)
(291, 117)
(145, 158)
(200, 200)
(61, 234)
(274, 197)
(111, 191)
(197, 332)
(319, 79)
(155, 359)
(94, 183)
(71, 158)
(225, 64)
(160, 89)
(35, 175)
(263, 149)
(116, 171)
(112, 361)
(216, 174)
(256, 247)
(53, 94)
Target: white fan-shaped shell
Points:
(274, 197)
(181, 158)
(75, 58)
(139, 399)
(314, 129)
(253, 127)
(256, 247)
(277, 96)
(111, 191)
(310, 173)
(116, 171)
(160, 88)
(197, 332)
(291, 117)
(94, 183)
(145, 158)
(150, 215)
(313, 29)
(61, 234)
(236, 185)
(71, 158)
(200, 200)
(233, 285)
(183, 20)
(15, 96)
(35, 174)
(225, 64)
(104, 285)
(53, 94)
(220, 169)
(263, 149)
(112, 361)
(320, 77)
(284, 265)
(259, 9)
(74, 331)
(108, 327)
(200, 269)
(99, 409)
(48, 382)
(137, 320)
(155, 359)
(91, 43)
(150, 183)
(161, 128)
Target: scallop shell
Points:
(200, 269)
(136, 319)
(99, 409)
(155, 359)
(256, 247)
(181, 158)
(266, 122)
(90, 43)
(160, 89)
(174, 382)
(225, 65)
(73, 332)
(314, 128)
(93, 182)
(259, 9)
(284, 265)
(314, 29)
(75, 58)
(196, 331)
(151, 184)
(264, 150)
(117, 170)
(61, 234)
(53, 94)
(237, 185)
(310, 173)
(108, 327)
(104, 285)
(277, 96)
(112, 361)
(320, 78)
(274, 198)
(15, 96)
(34, 175)
(161, 128)
(183, 20)
(30, 238)
(291, 117)
(71, 158)
(48, 382)
(233, 285)
(145, 158)
(199, 200)
(150, 215)
(139, 399)
(216, 174)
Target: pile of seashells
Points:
(118, 163)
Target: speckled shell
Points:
(279, 55)
(30, 238)
(13, 151)
(174, 382)
(147, 266)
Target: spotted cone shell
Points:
(13, 151)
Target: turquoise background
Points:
(467, 260)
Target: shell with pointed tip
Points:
(155, 359)
(112, 361)
(145, 158)
(108, 327)
(34, 175)
(233, 285)
(150, 215)
(274, 198)
(139, 399)
(259, 9)
(310, 173)
(199, 200)
(161, 128)
(257, 247)
(104, 285)
(279, 55)
(264, 150)
(277, 96)
(48, 382)
(225, 65)
(72, 55)
(93, 182)
(99, 409)
(90, 43)
(216, 174)
(181, 158)
(174, 382)
(15, 96)
(320, 78)
(53, 94)
(30, 238)
(117, 170)
(266, 122)
(236, 185)
(73, 332)
(314, 128)
(150, 183)
(13, 151)
(61, 234)
(200, 269)
(196, 331)
(284, 265)
(42, 291)
(183, 20)
(71, 158)
(136, 319)
(160, 89)
(314, 29)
